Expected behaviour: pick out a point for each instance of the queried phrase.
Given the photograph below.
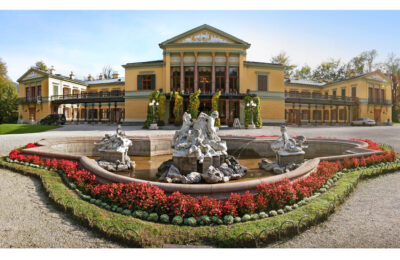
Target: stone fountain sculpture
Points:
(113, 152)
(288, 152)
(199, 154)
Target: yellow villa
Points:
(211, 60)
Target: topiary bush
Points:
(280, 211)
(178, 107)
(177, 220)
(164, 218)
(246, 217)
(215, 106)
(190, 221)
(228, 219)
(204, 220)
(263, 215)
(153, 217)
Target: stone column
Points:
(227, 73)
(196, 73)
(213, 73)
(182, 87)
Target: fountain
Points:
(288, 151)
(113, 152)
(200, 154)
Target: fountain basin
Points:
(79, 148)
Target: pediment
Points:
(32, 75)
(205, 36)
(377, 77)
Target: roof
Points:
(144, 63)
(47, 74)
(317, 83)
(105, 81)
(207, 27)
(304, 82)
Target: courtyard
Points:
(362, 221)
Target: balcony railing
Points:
(303, 98)
(379, 102)
(30, 100)
(113, 96)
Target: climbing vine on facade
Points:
(214, 104)
(194, 104)
(155, 95)
(178, 107)
(256, 112)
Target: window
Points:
(146, 82)
(326, 114)
(342, 114)
(262, 82)
(220, 79)
(305, 114)
(354, 91)
(333, 115)
(334, 93)
(317, 114)
(343, 92)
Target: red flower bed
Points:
(150, 198)
(31, 145)
(371, 144)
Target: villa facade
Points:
(211, 60)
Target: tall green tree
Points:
(284, 59)
(331, 69)
(304, 72)
(392, 68)
(41, 65)
(8, 97)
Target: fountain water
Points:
(200, 154)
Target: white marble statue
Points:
(114, 151)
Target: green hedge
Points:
(255, 230)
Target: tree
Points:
(369, 57)
(107, 72)
(331, 69)
(304, 72)
(8, 97)
(392, 68)
(41, 65)
(283, 59)
(363, 63)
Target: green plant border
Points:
(257, 233)
(256, 112)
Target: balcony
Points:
(379, 102)
(317, 99)
(101, 97)
(31, 100)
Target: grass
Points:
(139, 233)
(24, 128)
(396, 123)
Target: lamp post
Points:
(154, 104)
(251, 105)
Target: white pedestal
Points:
(153, 127)
(251, 126)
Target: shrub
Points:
(280, 211)
(246, 217)
(263, 214)
(228, 219)
(244, 204)
(190, 221)
(177, 220)
(287, 208)
(238, 219)
(280, 193)
(204, 220)
(126, 212)
(164, 218)
(254, 216)
(153, 217)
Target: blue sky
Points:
(85, 41)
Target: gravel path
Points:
(28, 220)
(370, 218)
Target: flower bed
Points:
(151, 203)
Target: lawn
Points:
(24, 128)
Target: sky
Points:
(85, 41)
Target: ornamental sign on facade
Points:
(205, 36)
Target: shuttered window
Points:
(263, 82)
(146, 82)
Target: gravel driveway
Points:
(27, 218)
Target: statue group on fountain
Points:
(198, 138)
(114, 152)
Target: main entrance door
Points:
(32, 113)
(377, 114)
